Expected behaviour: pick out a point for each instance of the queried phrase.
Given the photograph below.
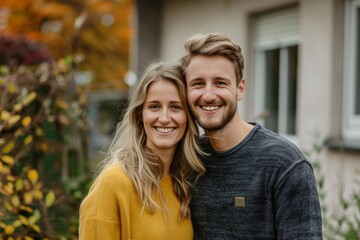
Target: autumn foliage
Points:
(43, 120)
(99, 30)
(33, 94)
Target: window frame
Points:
(351, 120)
(259, 101)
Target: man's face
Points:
(212, 91)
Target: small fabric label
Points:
(239, 202)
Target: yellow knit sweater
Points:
(112, 210)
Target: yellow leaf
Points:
(10, 178)
(38, 194)
(4, 170)
(2, 141)
(13, 119)
(4, 115)
(19, 184)
(36, 228)
(9, 188)
(26, 208)
(49, 198)
(29, 98)
(62, 104)
(26, 121)
(11, 88)
(28, 238)
(35, 217)
(17, 223)
(28, 140)
(39, 132)
(9, 160)
(9, 230)
(8, 147)
(8, 206)
(15, 201)
(24, 220)
(28, 198)
(17, 107)
(33, 175)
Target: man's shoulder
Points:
(274, 146)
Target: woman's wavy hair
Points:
(128, 147)
(214, 44)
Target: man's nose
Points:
(209, 94)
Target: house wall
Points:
(320, 68)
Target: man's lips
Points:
(210, 107)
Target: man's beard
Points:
(210, 127)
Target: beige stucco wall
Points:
(320, 66)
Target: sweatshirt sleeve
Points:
(298, 212)
(101, 210)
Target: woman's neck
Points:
(166, 156)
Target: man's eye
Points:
(197, 84)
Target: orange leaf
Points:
(33, 175)
(26, 121)
(9, 230)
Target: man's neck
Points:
(230, 135)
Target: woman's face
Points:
(163, 116)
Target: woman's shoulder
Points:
(114, 174)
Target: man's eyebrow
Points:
(195, 79)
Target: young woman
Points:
(143, 189)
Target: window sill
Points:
(343, 144)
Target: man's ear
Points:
(241, 89)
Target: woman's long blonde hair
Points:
(128, 147)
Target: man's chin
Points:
(211, 126)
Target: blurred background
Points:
(67, 69)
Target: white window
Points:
(351, 101)
(276, 68)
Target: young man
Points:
(257, 184)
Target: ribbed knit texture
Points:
(112, 211)
(277, 182)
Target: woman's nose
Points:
(164, 116)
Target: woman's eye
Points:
(153, 107)
(176, 107)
